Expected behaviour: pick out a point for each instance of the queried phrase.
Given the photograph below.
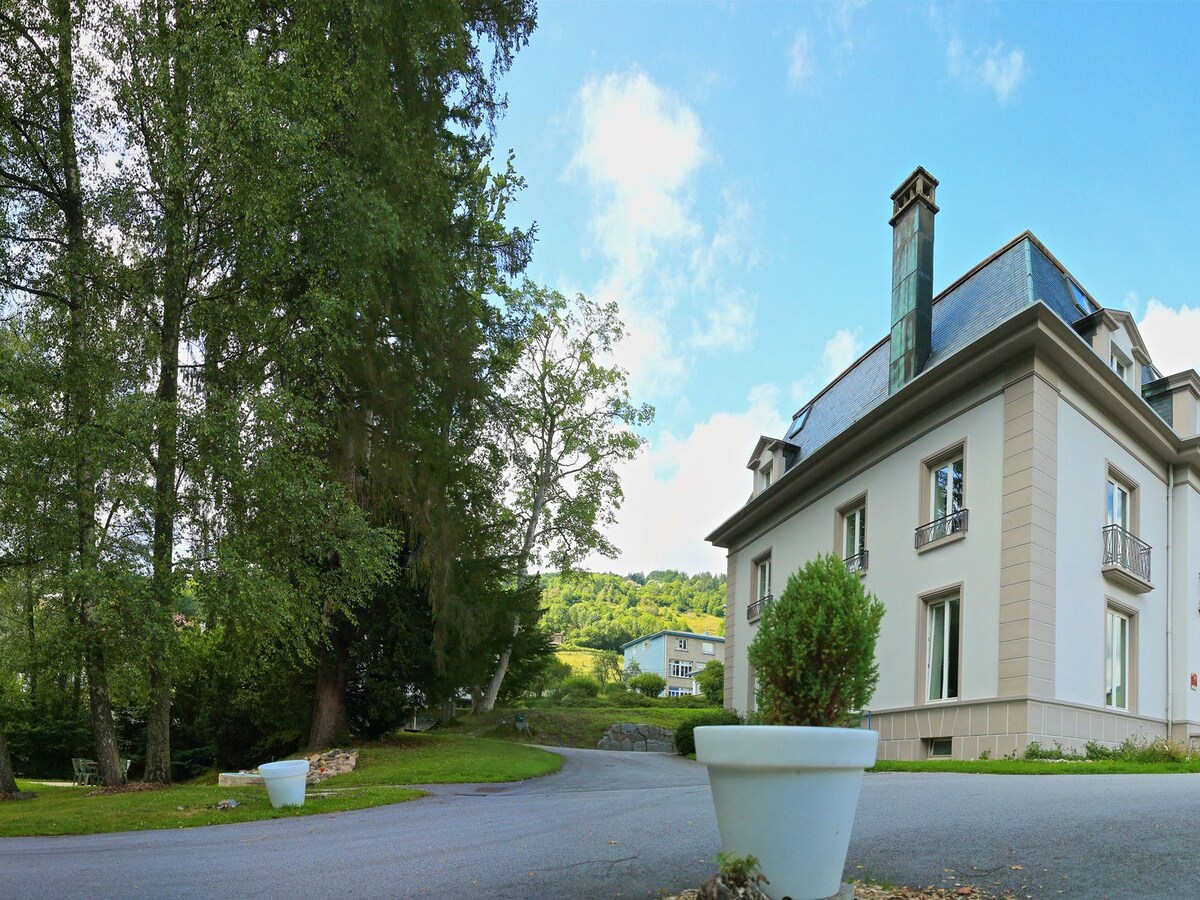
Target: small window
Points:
(1116, 660)
(764, 477)
(942, 654)
(707, 648)
(680, 643)
(1120, 365)
(941, 748)
(1085, 305)
(645, 645)
(798, 421)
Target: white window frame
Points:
(938, 690)
(680, 643)
(678, 692)
(1118, 629)
(763, 578)
(681, 668)
(765, 472)
(1119, 363)
(1120, 500)
(708, 648)
(949, 505)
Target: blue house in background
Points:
(676, 656)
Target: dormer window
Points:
(764, 476)
(1120, 364)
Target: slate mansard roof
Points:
(1015, 277)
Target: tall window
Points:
(942, 654)
(855, 532)
(946, 488)
(1116, 660)
(1118, 505)
(763, 576)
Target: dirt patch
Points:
(134, 787)
(868, 892)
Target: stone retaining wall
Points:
(647, 738)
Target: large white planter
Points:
(787, 795)
(285, 781)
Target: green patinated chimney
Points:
(913, 209)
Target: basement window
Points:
(940, 748)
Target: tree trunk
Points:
(77, 391)
(8, 783)
(158, 727)
(493, 690)
(329, 701)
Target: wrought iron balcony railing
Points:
(1130, 553)
(857, 562)
(755, 609)
(941, 528)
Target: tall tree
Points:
(54, 272)
(8, 782)
(566, 421)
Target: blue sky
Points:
(722, 170)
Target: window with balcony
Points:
(1126, 559)
(945, 490)
(762, 588)
(854, 537)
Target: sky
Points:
(723, 172)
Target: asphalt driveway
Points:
(633, 825)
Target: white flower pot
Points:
(788, 796)
(285, 781)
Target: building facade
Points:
(675, 655)
(1011, 475)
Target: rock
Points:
(637, 737)
(226, 804)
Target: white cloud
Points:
(840, 24)
(640, 148)
(640, 151)
(800, 60)
(1172, 336)
(841, 350)
(998, 70)
(678, 490)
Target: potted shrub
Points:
(786, 791)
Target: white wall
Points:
(1088, 443)
(898, 575)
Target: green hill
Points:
(606, 611)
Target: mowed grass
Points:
(1039, 767)
(581, 661)
(575, 727)
(384, 767)
(703, 623)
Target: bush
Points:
(615, 689)
(580, 686)
(712, 682)
(648, 684)
(685, 738)
(814, 652)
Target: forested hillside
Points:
(606, 611)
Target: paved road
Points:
(631, 825)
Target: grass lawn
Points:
(405, 759)
(574, 727)
(1039, 767)
(581, 661)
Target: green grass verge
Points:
(1039, 767)
(406, 759)
(573, 727)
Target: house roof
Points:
(1008, 288)
(666, 631)
(1017, 275)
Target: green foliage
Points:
(606, 611)
(814, 652)
(648, 684)
(739, 873)
(1136, 749)
(711, 680)
(607, 667)
(580, 686)
(685, 734)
